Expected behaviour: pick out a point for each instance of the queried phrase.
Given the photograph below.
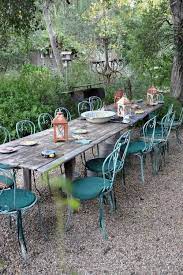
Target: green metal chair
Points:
(177, 123)
(44, 121)
(144, 145)
(95, 165)
(5, 137)
(83, 106)
(99, 187)
(14, 202)
(160, 125)
(161, 140)
(25, 128)
(95, 103)
(65, 112)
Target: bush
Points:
(27, 94)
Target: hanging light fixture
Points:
(109, 65)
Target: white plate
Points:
(28, 143)
(98, 116)
(8, 150)
(79, 131)
(139, 112)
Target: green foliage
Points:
(17, 15)
(80, 73)
(27, 94)
(148, 46)
(168, 101)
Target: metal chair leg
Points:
(153, 162)
(114, 200)
(157, 153)
(111, 203)
(21, 237)
(10, 221)
(123, 177)
(34, 180)
(141, 166)
(101, 217)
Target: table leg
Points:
(107, 146)
(70, 168)
(27, 178)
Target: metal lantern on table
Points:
(152, 96)
(117, 96)
(123, 107)
(60, 128)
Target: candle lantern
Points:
(119, 94)
(152, 96)
(123, 107)
(60, 128)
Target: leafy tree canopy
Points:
(17, 15)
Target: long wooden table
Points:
(29, 157)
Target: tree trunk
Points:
(52, 37)
(177, 69)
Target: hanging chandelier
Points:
(109, 66)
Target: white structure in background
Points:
(47, 59)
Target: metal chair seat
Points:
(89, 188)
(95, 165)
(23, 200)
(14, 202)
(137, 146)
(6, 166)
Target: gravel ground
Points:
(145, 235)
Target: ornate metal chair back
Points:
(83, 106)
(4, 135)
(124, 141)
(109, 167)
(44, 121)
(149, 138)
(65, 112)
(25, 128)
(95, 103)
(113, 163)
(166, 125)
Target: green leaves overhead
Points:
(17, 15)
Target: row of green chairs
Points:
(27, 127)
(101, 185)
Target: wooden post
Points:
(27, 178)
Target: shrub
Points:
(27, 94)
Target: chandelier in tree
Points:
(108, 64)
